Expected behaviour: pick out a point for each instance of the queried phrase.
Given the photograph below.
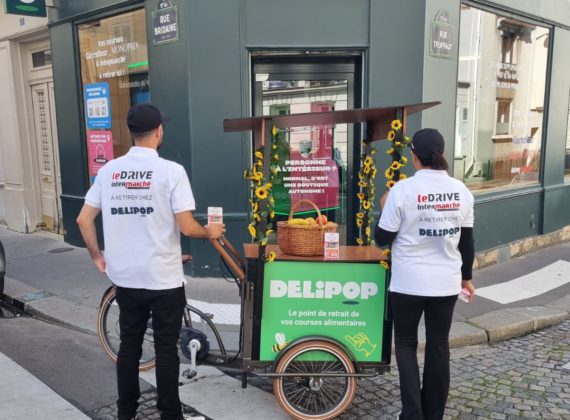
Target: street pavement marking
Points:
(231, 401)
(530, 285)
(224, 313)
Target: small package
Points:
(215, 215)
(464, 295)
(332, 249)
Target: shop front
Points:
(495, 67)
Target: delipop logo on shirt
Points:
(132, 180)
(439, 202)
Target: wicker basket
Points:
(303, 240)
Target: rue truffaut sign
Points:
(26, 7)
(164, 23)
(442, 35)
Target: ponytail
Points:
(435, 161)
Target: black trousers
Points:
(167, 307)
(426, 401)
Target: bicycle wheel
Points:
(309, 395)
(109, 332)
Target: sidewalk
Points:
(18, 385)
(56, 281)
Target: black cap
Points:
(426, 142)
(145, 117)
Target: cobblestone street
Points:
(519, 378)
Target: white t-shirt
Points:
(428, 211)
(139, 194)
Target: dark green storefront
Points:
(209, 61)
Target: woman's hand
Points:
(469, 286)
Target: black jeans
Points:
(167, 307)
(426, 401)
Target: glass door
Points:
(314, 160)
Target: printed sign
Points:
(332, 248)
(343, 301)
(97, 105)
(442, 36)
(99, 150)
(164, 23)
(26, 7)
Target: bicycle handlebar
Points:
(232, 258)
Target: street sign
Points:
(25, 7)
(164, 23)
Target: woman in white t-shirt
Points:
(428, 221)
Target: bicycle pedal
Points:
(189, 373)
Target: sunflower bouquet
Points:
(366, 194)
(399, 141)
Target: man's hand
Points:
(469, 286)
(215, 230)
(100, 264)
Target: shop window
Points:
(501, 91)
(41, 58)
(114, 76)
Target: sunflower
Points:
(368, 161)
(359, 222)
(404, 159)
(268, 232)
(252, 231)
(360, 196)
(403, 176)
(271, 256)
(389, 173)
(373, 151)
(360, 176)
(362, 184)
(385, 265)
(396, 165)
(386, 252)
(359, 241)
(359, 215)
(373, 173)
(366, 204)
(396, 125)
(273, 131)
(275, 156)
(398, 144)
(261, 193)
(259, 155)
(256, 217)
(274, 146)
(390, 183)
(391, 135)
(367, 230)
(390, 151)
(366, 170)
(407, 139)
(272, 214)
(254, 206)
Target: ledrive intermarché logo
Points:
(307, 289)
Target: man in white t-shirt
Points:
(145, 201)
(428, 220)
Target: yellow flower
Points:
(259, 155)
(359, 222)
(271, 256)
(391, 135)
(259, 163)
(275, 156)
(389, 173)
(268, 186)
(272, 214)
(390, 183)
(385, 265)
(368, 161)
(366, 204)
(404, 159)
(386, 252)
(373, 173)
(360, 176)
(359, 215)
(366, 169)
(268, 232)
(407, 139)
(398, 144)
(274, 146)
(261, 193)
(395, 165)
(254, 206)
(362, 184)
(251, 229)
(245, 173)
(403, 176)
(256, 217)
(373, 151)
(273, 131)
(367, 230)
(257, 176)
(360, 196)
(390, 151)
(396, 124)
(359, 241)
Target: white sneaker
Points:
(398, 415)
(189, 417)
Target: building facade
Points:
(497, 67)
(30, 181)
